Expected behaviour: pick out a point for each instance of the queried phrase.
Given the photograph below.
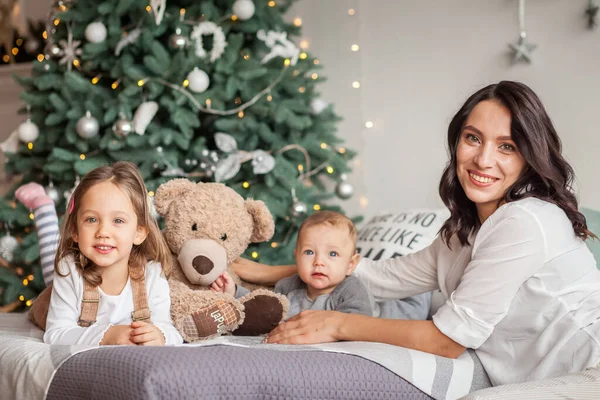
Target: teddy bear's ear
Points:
(264, 225)
(169, 191)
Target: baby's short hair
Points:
(332, 218)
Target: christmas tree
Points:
(213, 90)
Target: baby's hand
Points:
(32, 195)
(224, 284)
(117, 334)
(146, 334)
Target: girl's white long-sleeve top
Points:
(65, 308)
(525, 294)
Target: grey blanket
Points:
(364, 370)
(224, 372)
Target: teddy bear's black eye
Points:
(195, 227)
(224, 237)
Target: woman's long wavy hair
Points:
(547, 175)
(127, 177)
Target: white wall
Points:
(420, 59)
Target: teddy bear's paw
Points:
(211, 321)
(264, 311)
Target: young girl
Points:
(109, 285)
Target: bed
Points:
(244, 368)
(226, 368)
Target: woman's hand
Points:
(117, 334)
(32, 195)
(262, 274)
(309, 327)
(146, 334)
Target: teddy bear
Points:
(207, 227)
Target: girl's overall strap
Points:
(141, 312)
(91, 300)
(89, 305)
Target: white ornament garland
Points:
(280, 46)
(127, 40)
(219, 40)
(158, 6)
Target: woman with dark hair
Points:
(522, 288)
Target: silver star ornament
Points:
(522, 50)
(591, 13)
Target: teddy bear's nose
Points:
(202, 264)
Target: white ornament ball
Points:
(87, 126)
(52, 193)
(55, 50)
(344, 190)
(317, 106)
(299, 208)
(28, 132)
(198, 80)
(95, 32)
(32, 46)
(244, 9)
(8, 244)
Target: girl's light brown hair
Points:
(126, 176)
(332, 218)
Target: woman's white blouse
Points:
(525, 294)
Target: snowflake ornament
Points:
(69, 50)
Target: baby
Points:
(325, 258)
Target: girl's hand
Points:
(146, 334)
(224, 284)
(117, 334)
(32, 195)
(309, 327)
